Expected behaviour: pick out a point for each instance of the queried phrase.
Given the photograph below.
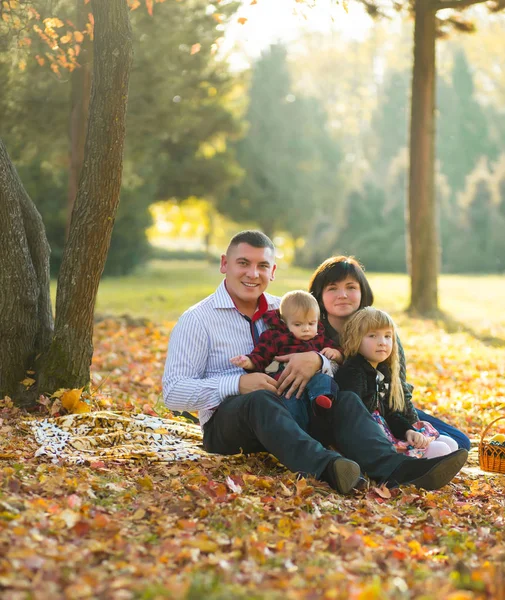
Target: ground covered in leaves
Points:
(244, 527)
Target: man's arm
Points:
(185, 387)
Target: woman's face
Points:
(341, 299)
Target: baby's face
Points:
(303, 326)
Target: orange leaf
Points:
(71, 401)
(241, 20)
(195, 48)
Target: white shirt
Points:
(198, 374)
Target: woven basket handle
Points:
(486, 430)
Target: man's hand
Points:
(242, 361)
(299, 369)
(416, 439)
(333, 354)
(252, 382)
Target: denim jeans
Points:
(445, 429)
(301, 408)
(260, 421)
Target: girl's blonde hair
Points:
(298, 301)
(362, 322)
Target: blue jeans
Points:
(445, 429)
(300, 408)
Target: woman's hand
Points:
(416, 439)
(299, 369)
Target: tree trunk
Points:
(424, 251)
(26, 321)
(69, 358)
(80, 81)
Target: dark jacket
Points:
(278, 340)
(357, 375)
(407, 387)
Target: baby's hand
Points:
(242, 361)
(333, 354)
(416, 439)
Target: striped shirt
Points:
(198, 374)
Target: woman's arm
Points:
(410, 412)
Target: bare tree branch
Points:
(456, 4)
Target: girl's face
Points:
(341, 299)
(376, 346)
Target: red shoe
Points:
(324, 402)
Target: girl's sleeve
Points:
(398, 424)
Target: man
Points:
(245, 411)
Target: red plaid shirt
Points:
(278, 340)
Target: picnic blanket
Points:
(118, 436)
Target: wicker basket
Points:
(491, 458)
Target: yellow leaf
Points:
(71, 401)
(140, 513)
(145, 482)
(204, 545)
(66, 38)
(53, 22)
(78, 36)
(28, 381)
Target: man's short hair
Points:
(256, 239)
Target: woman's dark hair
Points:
(338, 268)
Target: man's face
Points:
(248, 272)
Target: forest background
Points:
(305, 138)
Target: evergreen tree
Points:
(289, 160)
(390, 121)
(463, 135)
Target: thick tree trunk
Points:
(424, 251)
(80, 81)
(69, 358)
(26, 321)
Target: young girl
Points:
(372, 371)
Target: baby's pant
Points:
(441, 446)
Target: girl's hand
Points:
(333, 354)
(416, 439)
(242, 361)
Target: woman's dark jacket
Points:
(357, 375)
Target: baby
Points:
(295, 327)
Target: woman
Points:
(341, 288)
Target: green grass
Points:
(164, 289)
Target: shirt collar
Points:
(222, 299)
